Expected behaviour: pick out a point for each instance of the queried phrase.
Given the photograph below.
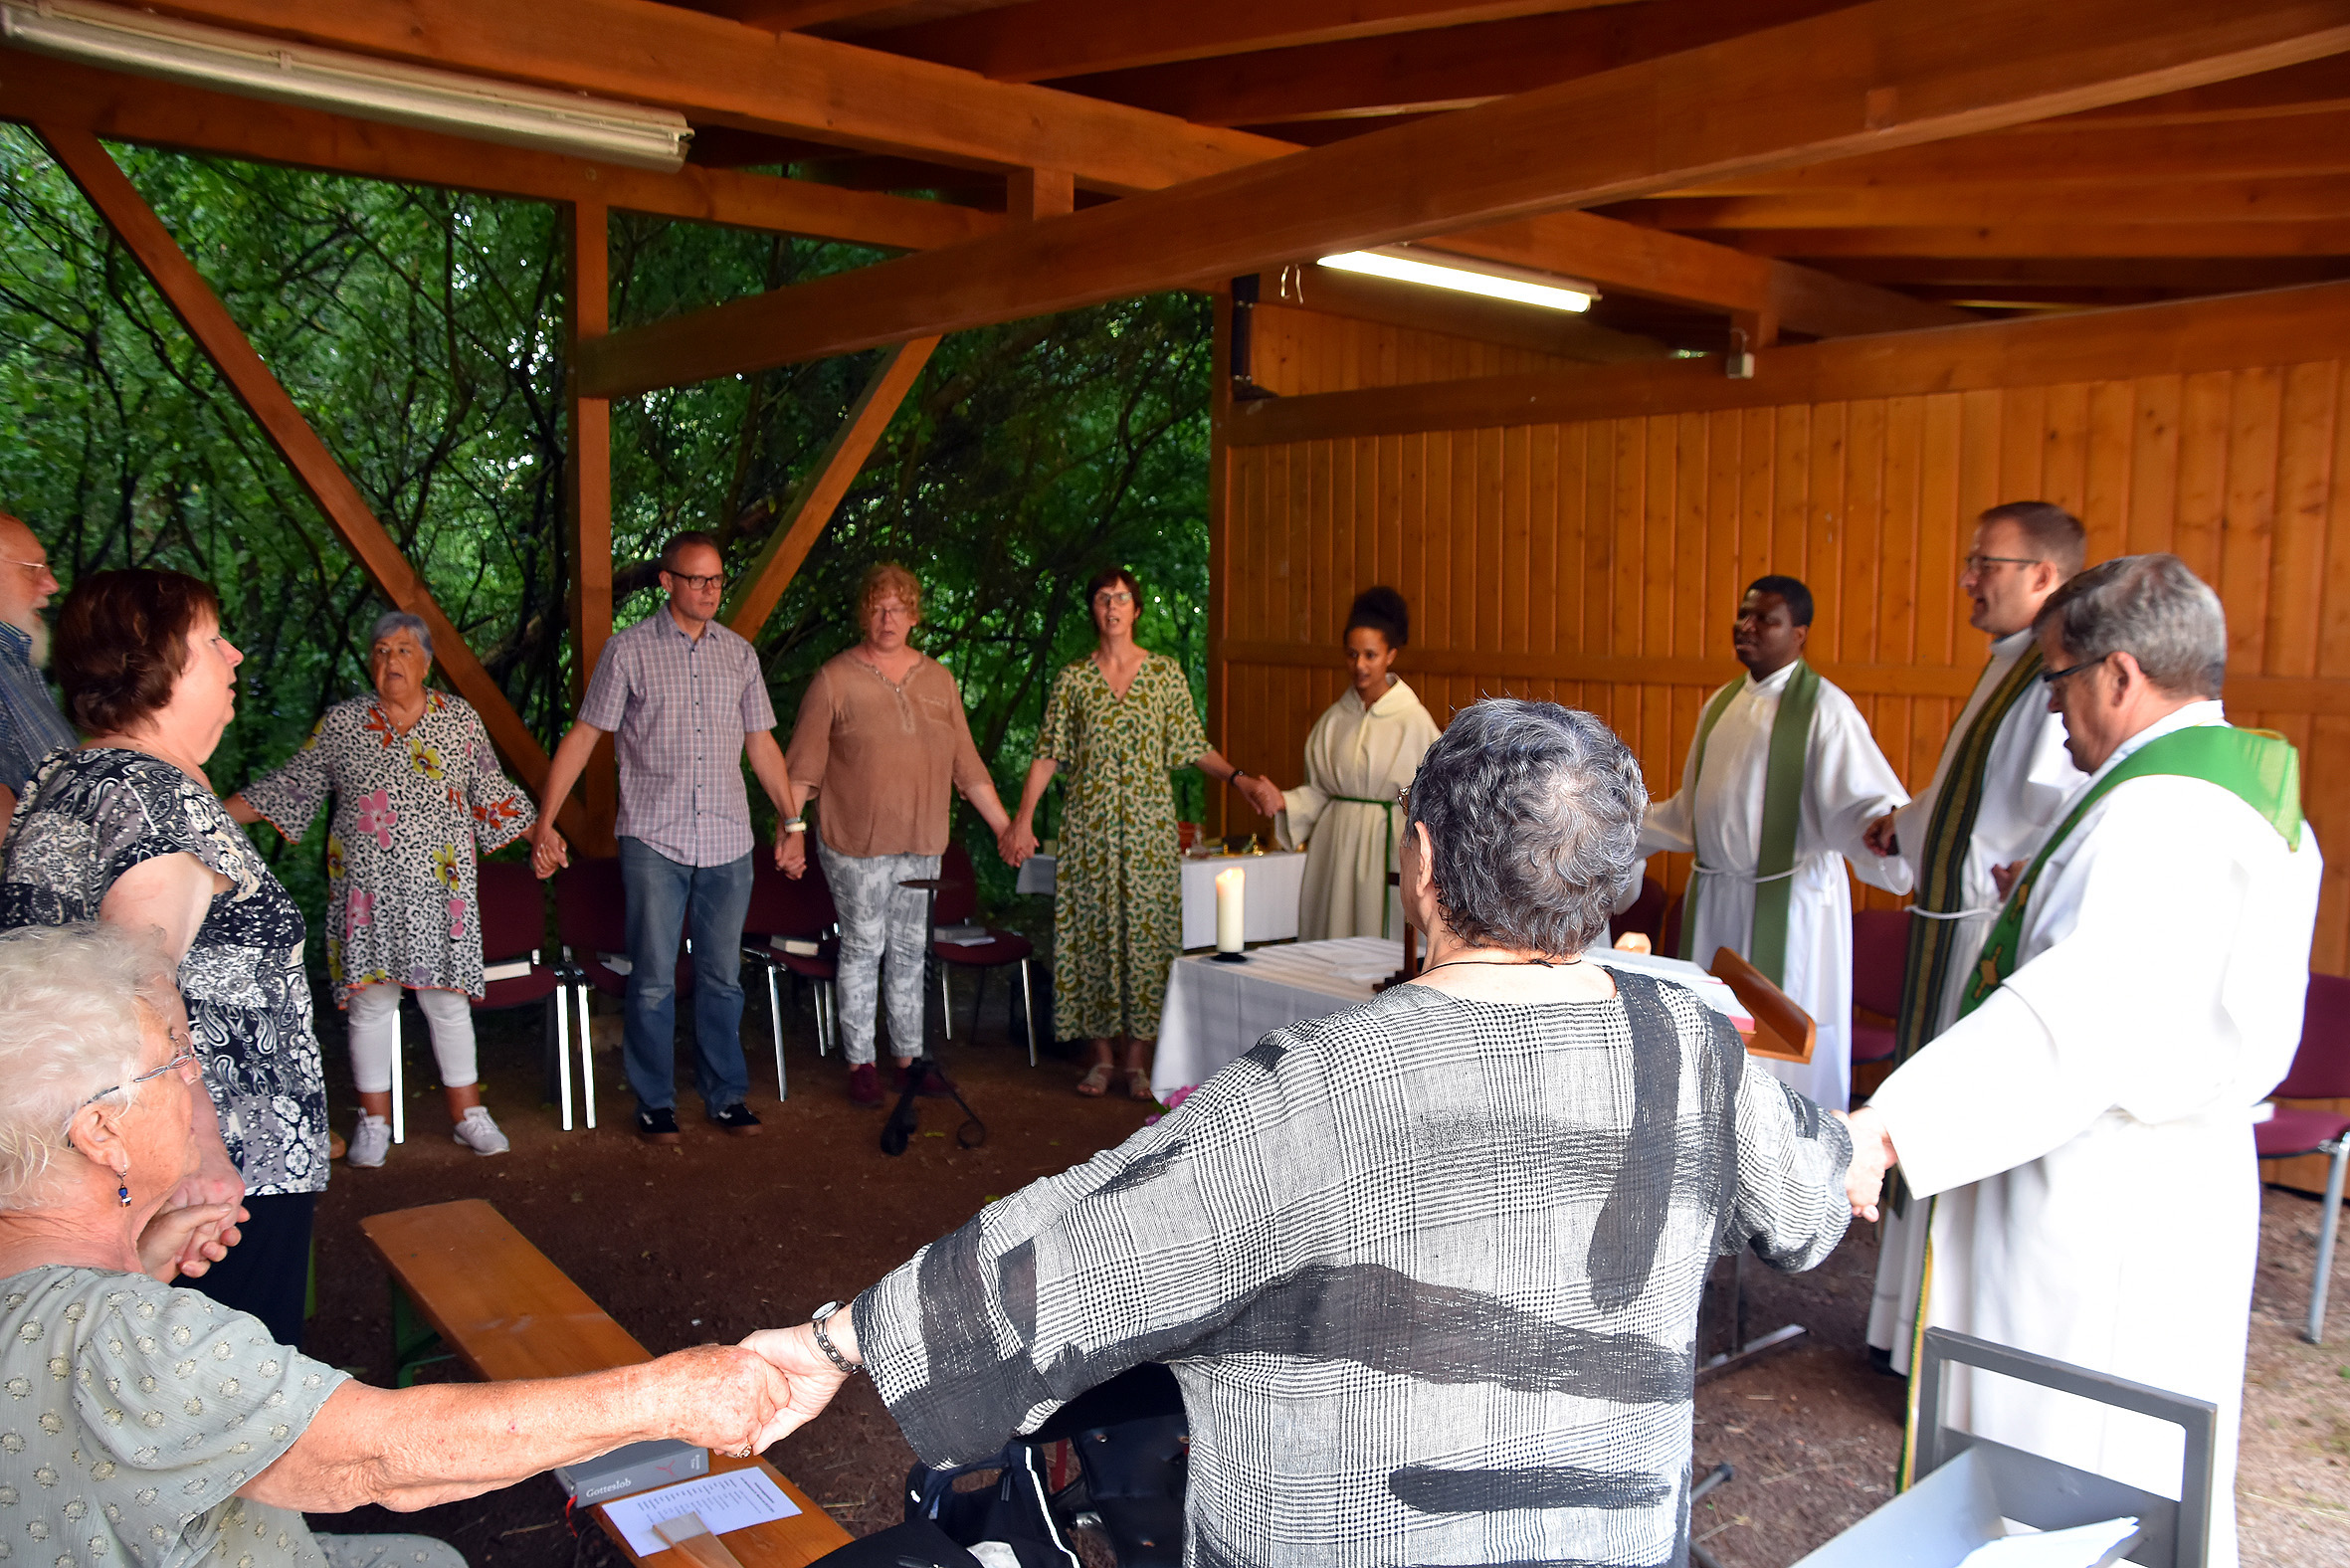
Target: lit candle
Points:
(1231, 906)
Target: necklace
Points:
(1501, 963)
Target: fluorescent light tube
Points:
(1468, 276)
(120, 39)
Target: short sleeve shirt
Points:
(131, 1413)
(678, 708)
(90, 816)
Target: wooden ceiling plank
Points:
(1891, 73)
(312, 465)
(784, 16)
(2076, 152)
(711, 69)
(2322, 196)
(165, 115)
(1044, 39)
(2113, 242)
(1452, 67)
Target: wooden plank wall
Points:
(1597, 562)
(1294, 351)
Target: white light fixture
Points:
(120, 39)
(1465, 275)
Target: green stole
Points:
(1942, 861)
(1783, 790)
(2258, 766)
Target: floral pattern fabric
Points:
(1117, 907)
(402, 891)
(90, 816)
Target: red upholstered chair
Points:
(2321, 1071)
(591, 918)
(513, 930)
(957, 902)
(1880, 958)
(1646, 914)
(792, 928)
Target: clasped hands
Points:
(1872, 1156)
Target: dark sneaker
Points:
(864, 1084)
(737, 1119)
(934, 1086)
(656, 1126)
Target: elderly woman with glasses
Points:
(150, 1427)
(1120, 721)
(416, 788)
(1427, 1269)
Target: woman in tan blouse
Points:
(882, 736)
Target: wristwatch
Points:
(824, 1341)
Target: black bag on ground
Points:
(917, 1543)
(1131, 1439)
(1017, 1511)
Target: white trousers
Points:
(373, 1016)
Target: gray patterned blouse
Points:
(131, 1413)
(1426, 1270)
(90, 816)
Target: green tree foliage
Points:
(422, 332)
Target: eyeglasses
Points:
(41, 568)
(1976, 563)
(185, 1059)
(704, 583)
(2051, 676)
(1113, 597)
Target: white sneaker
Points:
(371, 1140)
(478, 1133)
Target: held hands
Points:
(2004, 876)
(722, 1396)
(1262, 794)
(1016, 844)
(1880, 837)
(809, 1377)
(548, 853)
(791, 854)
(182, 1242)
(1872, 1156)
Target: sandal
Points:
(1139, 1084)
(1095, 1083)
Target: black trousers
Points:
(268, 1274)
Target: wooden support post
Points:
(315, 467)
(820, 492)
(588, 499)
(1030, 194)
(1220, 552)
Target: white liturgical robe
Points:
(1848, 784)
(2088, 1127)
(1353, 754)
(2028, 782)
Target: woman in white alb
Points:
(1363, 750)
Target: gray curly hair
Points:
(73, 1000)
(2151, 607)
(401, 621)
(1533, 813)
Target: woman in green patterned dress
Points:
(1120, 721)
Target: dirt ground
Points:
(710, 1240)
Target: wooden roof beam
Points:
(2320, 196)
(714, 70)
(164, 114)
(1042, 39)
(1887, 73)
(2321, 237)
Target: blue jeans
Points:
(662, 894)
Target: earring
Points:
(122, 1192)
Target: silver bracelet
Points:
(824, 1341)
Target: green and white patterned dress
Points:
(1118, 905)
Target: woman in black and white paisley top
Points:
(127, 830)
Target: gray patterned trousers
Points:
(879, 918)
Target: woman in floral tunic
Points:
(415, 787)
(1120, 721)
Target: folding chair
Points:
(792, 928)
(957, 902)
(591, 918)
(2321, 1071)
(514, 929)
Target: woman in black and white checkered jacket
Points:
(1428, 1270)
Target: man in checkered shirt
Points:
(1426, 1270)
(687, 700)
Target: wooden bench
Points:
(465, 1279)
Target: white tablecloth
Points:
(1269, 897)
(1216, 1011)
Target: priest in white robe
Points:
(2003, 780)
(1840, 782)
(1362, 751)
(2084, 1129)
